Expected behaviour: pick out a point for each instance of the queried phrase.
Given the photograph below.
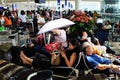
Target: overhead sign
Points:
(58, 2)
(14, 7)
(65, 2)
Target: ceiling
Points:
(10, 1)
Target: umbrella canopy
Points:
(55, 24)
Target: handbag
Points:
(55, 58)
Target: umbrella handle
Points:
(49, 38)
(44, 38)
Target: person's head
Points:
(95, 12)
(1, 13)
(14, 13)
(73, 43)
(84, 34)
(7, 14)
(89, 50)
(107, 22)
(56, 31)
(22, 12)
(43, 14)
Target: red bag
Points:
(52, 47)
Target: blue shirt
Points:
(94, 60)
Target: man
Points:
(98, 62)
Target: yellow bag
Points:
(55, 59)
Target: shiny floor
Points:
(115, 46)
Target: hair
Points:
(22, 12)
(77, 47)
(74, 42)
(7, 14)
(1, 12)
(85, 45)
(84, 49)
(43, 13)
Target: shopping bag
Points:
(55, 58)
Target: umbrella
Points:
(55, 24)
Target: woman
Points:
(36, 60)
(60, 37)
(39, 61)
(23, 18)
(107, 25)
(41, 19)
(106, 28)
(99, 49)
(70, 56)
(15, 20)
(7, 17)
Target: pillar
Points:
(2, 1)
(77, 4)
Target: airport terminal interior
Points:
(59, 39)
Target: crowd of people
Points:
(36, 55)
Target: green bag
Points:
(2, 28)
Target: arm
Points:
(70, 62)
(98, 43)
(41, 21)
(108, 66)
(56, 31)
(104, 66)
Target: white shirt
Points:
(23, 18)
(2, 20)
(61, 38)
(107, 27)
(40, 20)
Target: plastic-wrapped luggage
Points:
(11, 71)
(4, 48)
